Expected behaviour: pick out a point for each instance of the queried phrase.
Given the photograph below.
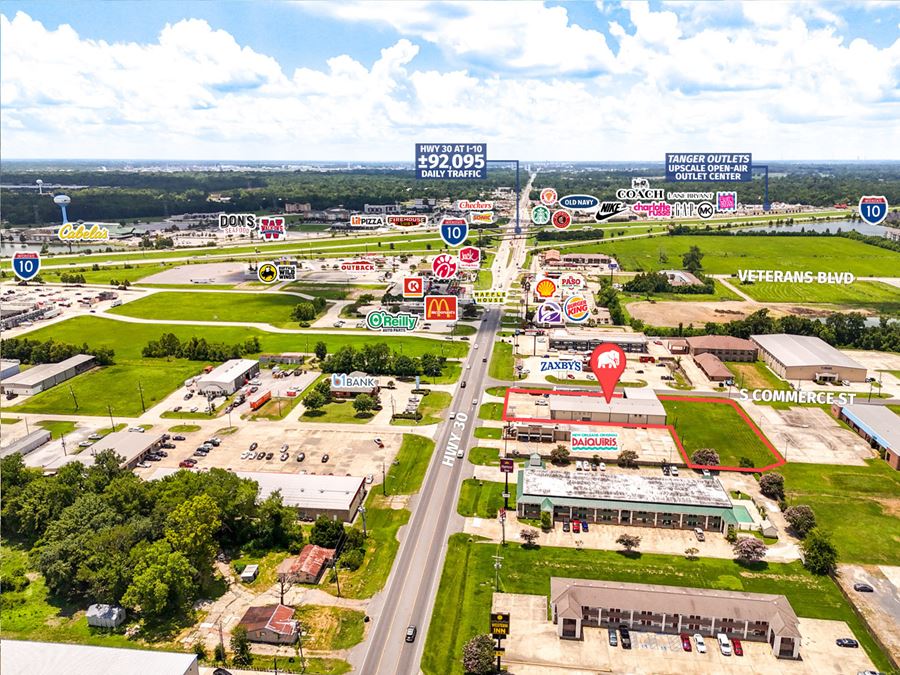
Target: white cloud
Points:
(776, 89)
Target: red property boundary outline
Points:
(780, 461)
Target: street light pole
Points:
(362, 512)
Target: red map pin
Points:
(608, 364)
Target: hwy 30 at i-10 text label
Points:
(451, 161)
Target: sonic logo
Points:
(545, 288)
(440, 308)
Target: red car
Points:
(576, 526)
(686, 642)
(736, 647)
(186, 463)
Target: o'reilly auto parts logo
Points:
(387, 322)
(607, 210)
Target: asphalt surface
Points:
(412, 585)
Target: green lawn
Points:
(488, 432)
(105, 275)
(463, 602)
(721, 292)
(330, 628)
(275, 409)
(128, 339)
(726, 255)
(58, 428)
(502, 362)
(184, 428)
(450, 374)
(482, 499)
(755, 375)
(463, 329)
(294, 664)
(337, 412)
(268, 562)
(854, 503)
(327, 291)
(271, 308)
(114, 386)
(491, 411)
(431, 407)
(717, 426)
(864, 294)
(406, 475)
(10, 420)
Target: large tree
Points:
(772, 485)
(692, 260)
(628, 541)
(326, 532)
(363, 403)
(191, 529)
(749, 549)
(163, 583)
(801, 519)
(705, 457)
(321, 350)
(240, 645)
(819, 554)
(478, 655)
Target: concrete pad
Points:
(218, 273)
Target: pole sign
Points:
(873, 209)
(450, 161)
(454, 230)
(26, 264)
(708, 167)
(499, 624)
(507, 466)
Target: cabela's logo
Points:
(83, 232)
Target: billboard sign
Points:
(500, 624)
(507, 466)
(708, 167)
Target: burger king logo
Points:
(576, 309)
(545, 288)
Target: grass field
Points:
(726, 255)
(431, 407)
(720, 293)
(856, 504)
(502, 362)
(330, 628)
(114, 386)
(10, 420)
(127, 339)
(491, 411)
(327, 291)
(58, 428)
(184, 428)
(275, 409)
(864, 294)
(337, 412)
(271, 308)
(487, 432)
(717, 426)
(105, 275)
(482, 499)
(463, 601)
(405, 477)
(755, 375)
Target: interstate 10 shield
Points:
(454, 230)
(26, 264)
(873, 209)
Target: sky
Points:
(362, 80)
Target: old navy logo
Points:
(578, 201)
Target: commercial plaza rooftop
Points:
(228, 371)
(879, 421)
(640, 405)
(803, 350)
(40, 658)
(623, 487)
(37, 374)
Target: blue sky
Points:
(365, 80)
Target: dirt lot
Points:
(533, 648)
(809, 435)
(671, 313)
(219, 273)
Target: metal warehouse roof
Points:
(36, 375)
(623, 487)
(50, 658)
(626, 406)
(803, 350)
(878, 421)
(228, 371)
(128, 444)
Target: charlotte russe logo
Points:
(83, 232)
(548, 365)
(342, 380)
(388, 322)
(674, 210)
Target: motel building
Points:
(624, 499)
(759, 617)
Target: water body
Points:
(832, 226)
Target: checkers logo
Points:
(440, 308)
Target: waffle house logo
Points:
(440, 308)
(489, 297)
(83, 232)
(545, 288)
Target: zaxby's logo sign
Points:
(413, 287)
(271, 228)
(549, 365)
(440, 308)
(470, 257)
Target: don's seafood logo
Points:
(576, 309)
(545, 288)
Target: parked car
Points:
(195, 409)
(301, 456)
(254, 445)
(324, 458)
(576, 526)
(379, 442)
(701, 644)
(626, 637)
(284, 457)
(260, 455)
(269, 455)
(566, 526)
(369, 479)
(847, 642)
(138, 430)
(863, 588)
(186, 463)
(686, 642)
(603, 466)
(613, 638)
(484, 360)
(584, 526)
(737, 647)
(85, 444)
(411, 634)
(674, 470)
(245, 454)
(95, 437)
(666, 470)
(724, 644)
(699, 534)
(177, 438)
(162, 453)
(284, 448)
(188, 396)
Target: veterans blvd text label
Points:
(796, 276)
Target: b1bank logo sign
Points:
(343, 380)
(592, 441)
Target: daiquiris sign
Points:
(388, 322)
(593, 441)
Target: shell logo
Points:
(545, 288)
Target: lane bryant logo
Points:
(440, 308)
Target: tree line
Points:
(657, 282)
(379, 359)
(52, 351)
(198, 349)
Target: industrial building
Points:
(42, 377)
(272, 624)
(757, 617)
(552, 258)
(51, 658)
(313, 496)
(131, 446)
(624, 499)
(228, 378)
(713, 368)
(585, 339)
(9, 367)
(681, 278)
(307, 567)
(878, 424)
(723, 347)
(27, 443)
(804, 357)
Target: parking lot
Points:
(533, 648)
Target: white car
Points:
(139, 430)
(701, 645)
(674, 470)
(603, 466)
(724, 644)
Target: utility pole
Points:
(337, 577)
(63, 439)
(503, 526)
(300, 645)
(71, 391)
(362, 512)
(498, 563)
(141, 390)
(383, 481)
(112, 425)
